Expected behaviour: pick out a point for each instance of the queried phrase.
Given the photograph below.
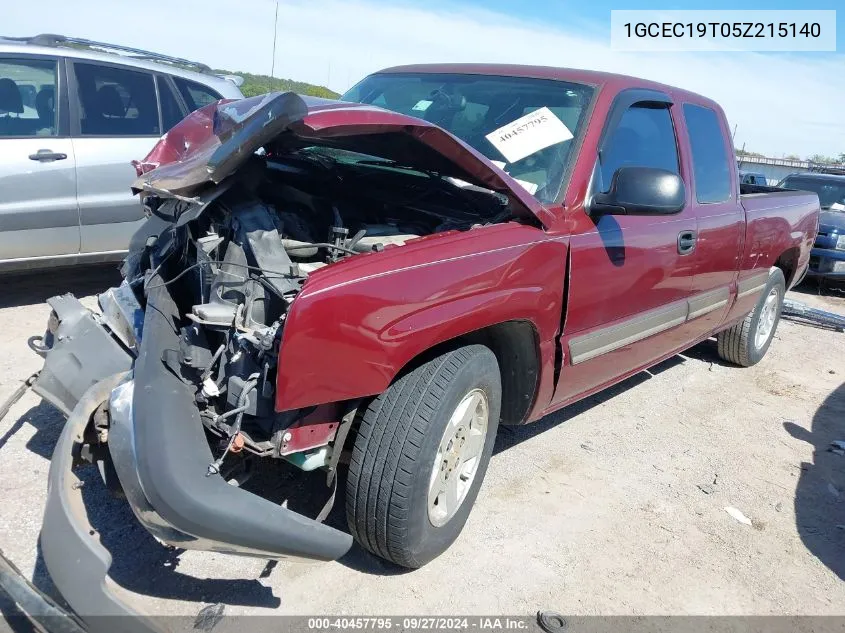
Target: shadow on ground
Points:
(47, 421)
(820, 493)
(821, 288)
(510, 436)
(142, 565)
(38, 286)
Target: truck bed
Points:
(781, 223)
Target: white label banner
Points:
(529, 134)
(793, 30)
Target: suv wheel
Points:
(421, 454)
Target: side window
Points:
(645, 137)
(116, 101)
(27, 97)
(710, 161)
(171, 113)
(195, 95)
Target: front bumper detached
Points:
(160, 453)
(77, 561)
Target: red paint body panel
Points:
(356, 324)
(771, 232)
(318, 428)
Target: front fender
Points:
(351, 331)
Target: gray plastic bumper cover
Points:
(77, 562)
(160, 453)
(171, 456)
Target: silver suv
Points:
(73, 115)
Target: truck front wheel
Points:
(420, 455)
(747, 342)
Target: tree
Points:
(822, 159)
(260, 84)
(792, 157)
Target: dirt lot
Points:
(613, 506)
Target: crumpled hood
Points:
(211, 144)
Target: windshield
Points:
(527, 127)
(830, 191)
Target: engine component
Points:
(122, 314)
(255, 406)
(256, 246)
(311, 461)
(369, 243)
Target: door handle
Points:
(686, 242)
(47, 154)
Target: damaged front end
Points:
(157, 411)
(199, 361)
(171, 386)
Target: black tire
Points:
(737, 343)
(389, 474)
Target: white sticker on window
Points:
(529, 134)
(422, 105)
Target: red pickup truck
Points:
(381, 282)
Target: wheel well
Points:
(516, 347)
(788, 264)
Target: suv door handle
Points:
(47, 154)
(686, 242)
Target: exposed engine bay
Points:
(235, 264)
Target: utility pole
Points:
(275, 33)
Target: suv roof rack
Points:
(52, 40)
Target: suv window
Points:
(27, 97)
(116, 101)
(195, 95)
(645, 137)
(710, 160)
(171, 113)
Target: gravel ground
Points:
(613, 506)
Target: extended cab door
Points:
(38, 212)
(720, 216)
(115, 119)
(630, 276)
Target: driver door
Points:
(630, 275)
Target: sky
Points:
(780, 103)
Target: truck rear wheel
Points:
(747, 342)
(420, 455)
